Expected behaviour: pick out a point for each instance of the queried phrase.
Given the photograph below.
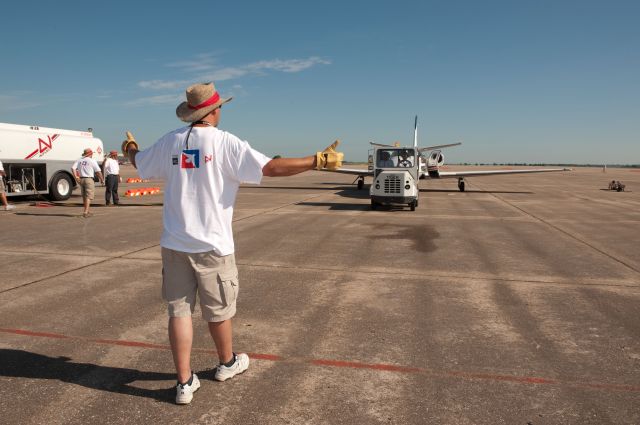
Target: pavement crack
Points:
(121, 256)
(565, 232)
(621, 284)
(75, 269)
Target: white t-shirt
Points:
(87, 167)
(1, 167)
(111, 166)
(201, 183)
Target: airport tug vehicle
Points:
(396, 172)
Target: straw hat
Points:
(201, 100)
(87, 152)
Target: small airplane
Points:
(427, 165)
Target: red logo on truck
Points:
(43, 146)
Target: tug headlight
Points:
(407, 187)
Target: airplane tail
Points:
(415, 134)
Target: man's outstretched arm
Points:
(280, 167)
(328, 158)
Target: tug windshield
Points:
(395, 158)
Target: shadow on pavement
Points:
(120, 205)
(50, 214)
(475, 191)
(337, 206)
(24, 364)
(262, 187)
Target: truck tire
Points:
(61, 187)
(374, 204)
(413, 205)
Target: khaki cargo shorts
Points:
(87, 187)
(213, 277)
(2, 189)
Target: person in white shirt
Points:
(3, 195)
(202, 167)
(111, 172)
(84, 170)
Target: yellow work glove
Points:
(329, 158)
(130, 142)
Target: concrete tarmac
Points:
(515, 302)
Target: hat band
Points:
(213, 99)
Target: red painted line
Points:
(130, 343)
(509, 378)
(618, 387)
(31, 333)
(358, 365)
(531, 380)
(270, 357)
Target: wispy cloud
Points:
(204, 68)
(162, 85)
(202, 62)
(15, 103)
(156, 100)
(290, 65)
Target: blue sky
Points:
(515, 81)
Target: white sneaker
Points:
(184, 393)
(10, 207)
(241, 364)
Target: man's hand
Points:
(130, 142)
(329, 158)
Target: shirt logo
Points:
(190, 158)
(208, 158)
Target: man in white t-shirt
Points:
(84, 170)
(203, 167)
(3, 195)
(111, 171)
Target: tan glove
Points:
(329, 158)
(130, 142)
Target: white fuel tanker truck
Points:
(38, 160)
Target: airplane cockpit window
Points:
(392, 158)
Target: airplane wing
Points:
(430, 148)
(352, 171)
(457, 174)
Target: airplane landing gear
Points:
(461, 184)
(360, 183)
